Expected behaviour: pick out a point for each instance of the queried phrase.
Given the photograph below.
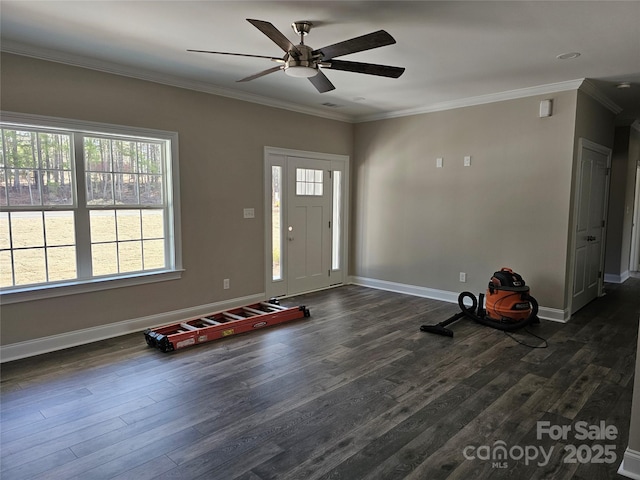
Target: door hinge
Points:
(603, 223)
(329, 223)
(329, 272)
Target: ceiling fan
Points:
(302, 61)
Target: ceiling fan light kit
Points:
(303, 62)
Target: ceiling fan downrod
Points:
(302, 28)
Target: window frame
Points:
(173, 242)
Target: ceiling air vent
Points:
(331, 105)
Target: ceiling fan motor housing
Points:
(305, 59)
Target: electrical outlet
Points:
(249, 213)
(463, 277)
(225, 284)
(467, 161)
(439, 162)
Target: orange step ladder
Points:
(218, 325)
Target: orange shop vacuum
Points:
(509, 306)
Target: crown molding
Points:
(594, 92)
(161, 78)
(478, 100)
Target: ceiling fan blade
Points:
(275, 35)
(358, 44)
(261, 74)
(321, 82)
(236, 54)
(368, 68)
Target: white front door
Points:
(308, 230)
(306, 218)
(591, 201)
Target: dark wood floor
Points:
(354, 392)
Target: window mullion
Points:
(82, 222)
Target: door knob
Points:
(591, 238)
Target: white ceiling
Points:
(455, 52)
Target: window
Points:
(84, 203)
(336, 221)
(309, 182)
(276, 222)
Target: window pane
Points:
(309, 182)
(97, 154)
(104, 257)
(3, 186)
(151, 190)
(6, 278)
(56, 189)
(61, 262)
(60, 228)
(128, 222)
(19, 149)
(336, 223)
(29, 266)
(124, 156)
(24, 187)
(150, 159)
(130, 254)
(99, 189)
(153, 254)
(4, 231)
(103, 225)
(276, 222)
(55, 151)
(27, 229)
(126, 189)
(152, 224)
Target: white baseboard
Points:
(611, 278)
(545, 313)
(51, 343)
(630, 466)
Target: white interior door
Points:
(591, 202)
(308, 231)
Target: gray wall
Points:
(421, 225)
(221, 172)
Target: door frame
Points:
(583, 144)
(276, 156)
(634, 260)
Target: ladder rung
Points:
(233, 316)
(273, 306)
(210, 322)
(188, 327)
(253, 310)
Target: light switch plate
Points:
(249, 213)
(467, 161)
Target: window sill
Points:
(28, 294)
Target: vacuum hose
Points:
(476, 313)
